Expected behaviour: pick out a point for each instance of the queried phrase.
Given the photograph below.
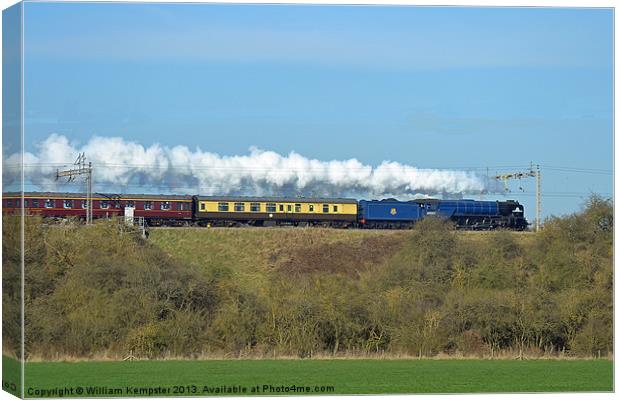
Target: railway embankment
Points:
(313, 292)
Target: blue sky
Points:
(425, 86)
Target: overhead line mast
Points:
(534, 172)
(81, 169)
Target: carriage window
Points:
(311, 207)
(25, 203)
(148, 205)
(17, 203)
(325, 208)
(271, 207)
(222, 206)
(180, 206)
(255, 207)
(35, 203)
(9, 203)
(84, 203)
(49, 203)
(203, 207)
(281, 207)
(335, 208)
(239, 207)
(297, 207)
(130, 203)
(116, 204)
(67, 204)
(289, 208)
(104, 204)
(165, 205)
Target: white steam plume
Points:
(124, 166)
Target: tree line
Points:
(92, 292)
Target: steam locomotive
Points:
(186, 210)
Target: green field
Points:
(345, 376)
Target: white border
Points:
(476, 3)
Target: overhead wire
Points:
(246, 186)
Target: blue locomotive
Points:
(466, 214)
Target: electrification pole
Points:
(532, 173)
(81, 169)
(538, 196)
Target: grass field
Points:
(344, 376)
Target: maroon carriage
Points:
(155, 209)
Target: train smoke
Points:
(123, 166)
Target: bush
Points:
(90, 290)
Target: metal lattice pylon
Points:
(81, 168)
(534, 172)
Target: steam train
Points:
(186, 210)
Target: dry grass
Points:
(250, 253)
(503, 355)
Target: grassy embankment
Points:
(307, 293)
(253, 252)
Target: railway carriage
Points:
(59, 205)
(155, 209)
(271, 211)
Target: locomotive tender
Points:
(185, 210)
